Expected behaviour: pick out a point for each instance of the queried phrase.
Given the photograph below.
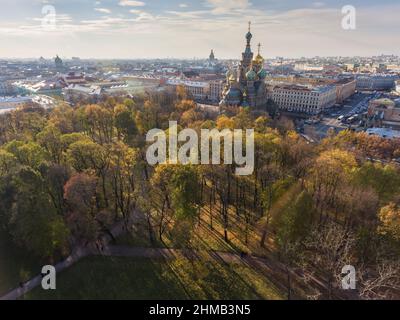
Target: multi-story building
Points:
(379, 82)
(77, 92)
(6, 89)
(216, 89)
(303, 99)
(345, 87)
(384, 113)
(302, 66)
(10, 103)
(198, 89)
(92, 91)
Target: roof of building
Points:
(187, 83)
(344, 81)
(384, 132)
(317, 89)
(383, 102)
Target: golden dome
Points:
(259, 60)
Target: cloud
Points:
(183, 5)
(145, 16)
(103, 10)
(187, 14)
(135, 11)
(227, 6)
(131, 3)
(59, 19)
(318, 4)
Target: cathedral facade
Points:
(245, 86)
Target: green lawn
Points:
(128, 278)
(15, 264)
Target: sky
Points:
(131, 29)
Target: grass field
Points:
(127, 278)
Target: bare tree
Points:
(330, 247)
(381, 282)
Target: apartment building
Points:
(303, 99)
(376, 82)
(216, 89)
(199, 90)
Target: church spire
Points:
(249, 36)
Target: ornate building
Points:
(59, 63)
(246, 86)
(212, 56)
(212, 62)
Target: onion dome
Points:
(251, 75)
(259, 60)
(249, 35)
(262, 74)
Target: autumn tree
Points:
(85, 217)
(98, 123)
(125, 179)
(50, 139)
(87, 155)
(124, 123)
(34, 221)
(389, 217)
(329, 174)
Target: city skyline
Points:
(124, 29)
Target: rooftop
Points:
(384, 132)
(317, 89)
